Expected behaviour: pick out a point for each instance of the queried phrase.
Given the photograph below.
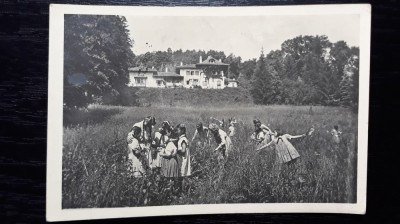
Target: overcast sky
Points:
(242, 36)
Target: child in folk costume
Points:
(146, 126)
(231, 128)
(259, 137)
(169, 162)
(222, 139)
(159, 143)
(145, 136)
(135, 152)
(262, 133)
(285, 151)
(183, 151)
(201, 135)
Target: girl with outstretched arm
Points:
(285, 151)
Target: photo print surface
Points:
(224, 110)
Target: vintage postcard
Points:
(200, 110)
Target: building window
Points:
(219, 83)
(159, 82)
(187, 82)
(196, 72)
(139, 81)
(191, 72)
(187, 72)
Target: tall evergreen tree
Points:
(346, 86)
(260, 81)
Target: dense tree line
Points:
(307, 70)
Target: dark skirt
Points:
(170, 167)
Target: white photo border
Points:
(54, 211)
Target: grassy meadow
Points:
(96, 172)
(181, 97)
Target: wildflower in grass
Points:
(222, 139)
(135, 152)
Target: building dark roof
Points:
(141, 69)
(167, 74)
(211, 61)
(186, 66)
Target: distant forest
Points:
(307, 70)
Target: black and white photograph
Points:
(194, 110)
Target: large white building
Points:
(208, 74)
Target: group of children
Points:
(168, 152)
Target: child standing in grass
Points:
(285, 151)
(262, 133)
(158, 144)
(169, 162)
(146, 128)
(145, 136)
(183, 156)
(201, 135)
(183, 151)
(231, 128)
(223, 141)
(135, 152)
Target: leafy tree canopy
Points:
(98, 50)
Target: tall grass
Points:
(96, 171)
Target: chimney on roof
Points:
(219, 60)
(201, 59)
(181, 63)
(166, 69)
(152, 67)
